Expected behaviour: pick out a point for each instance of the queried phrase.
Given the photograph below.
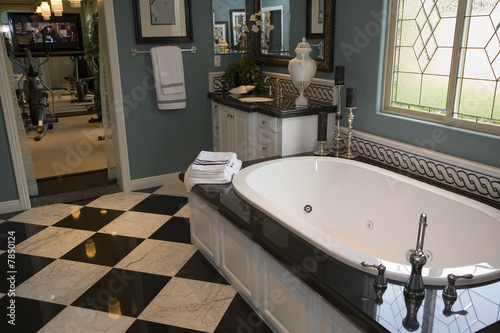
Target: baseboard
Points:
(10, 206)
(166, 179)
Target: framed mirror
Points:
(226, 15)
(292, 20)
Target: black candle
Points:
(339, 75)
(350, 97)
(322, 125)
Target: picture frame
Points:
(220, 31)
(234, 14)
(315, 19)
(161, 22)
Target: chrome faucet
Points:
(414, 288)
(279, 91)
(267, 79)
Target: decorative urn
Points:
(302, 70)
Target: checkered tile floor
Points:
(123, 262)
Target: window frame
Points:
(448, 118)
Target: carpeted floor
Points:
(72, 146)
(63, 102)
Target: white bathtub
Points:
(364, 213)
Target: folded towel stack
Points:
(212, 168)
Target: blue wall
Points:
(8, 188)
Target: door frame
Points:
(116, 111)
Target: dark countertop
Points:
(351, 291)
(280, 108)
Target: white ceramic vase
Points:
(302, 70)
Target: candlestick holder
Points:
(321, 151)
(338, 146)
(349, 154)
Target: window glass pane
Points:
(441, 62)
(411, 33)
(448, 8)
(480, 32)
(408, 61)
(434, 90)
(407, 88)
(409, 9)
(482, 7)
(477, 65)
(476, 99)
(442, 32)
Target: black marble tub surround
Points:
(283, 107)
(351, 291)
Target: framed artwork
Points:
(315, 18)
(165, 21)
(236, 15)
(220, 31)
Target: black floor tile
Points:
(161, 204)
(7, 216)
(24, 266)
(240, 317)
(30, 315)
(130, 291)
(176, 229)
(74, 182)
(103, 249)
(199, 268)
(89, 218)
(20, 232)
(140, 326)
(149, 190)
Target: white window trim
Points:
(447, 119)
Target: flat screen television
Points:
(63, 37)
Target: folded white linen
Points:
(168, 72)
(212, 168)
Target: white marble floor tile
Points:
(184, 211)
(177, 189)
(191, 304)
(80, 320)
(135, 224)
(46, 215)
(53, 242)
(2, 295)
(119, 201)
(158, 257)
(62, 282)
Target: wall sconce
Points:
(57, 7)
(45, 7)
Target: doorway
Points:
(71, 160)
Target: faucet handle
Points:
(450, 292)
(380, 281)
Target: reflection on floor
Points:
(122, 262)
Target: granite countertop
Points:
(280, 108)
(349, 290)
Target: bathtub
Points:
(358, 212)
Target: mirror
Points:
(291, 25)
(292, 20)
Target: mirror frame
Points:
(325, 64)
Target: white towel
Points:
(168, 73)
(212, 168)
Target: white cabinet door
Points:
(243, 135)
(237, 259)
(284, 300)
(267, 143)
(226, 129)
(203, 227)
(216, 127)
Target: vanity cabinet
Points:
(254, 135)
(233, 131)
(285, 302)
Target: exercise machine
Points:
(32, 91)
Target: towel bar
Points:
(134, 51)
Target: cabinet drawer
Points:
(267, 122)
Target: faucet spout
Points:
(421, 232)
